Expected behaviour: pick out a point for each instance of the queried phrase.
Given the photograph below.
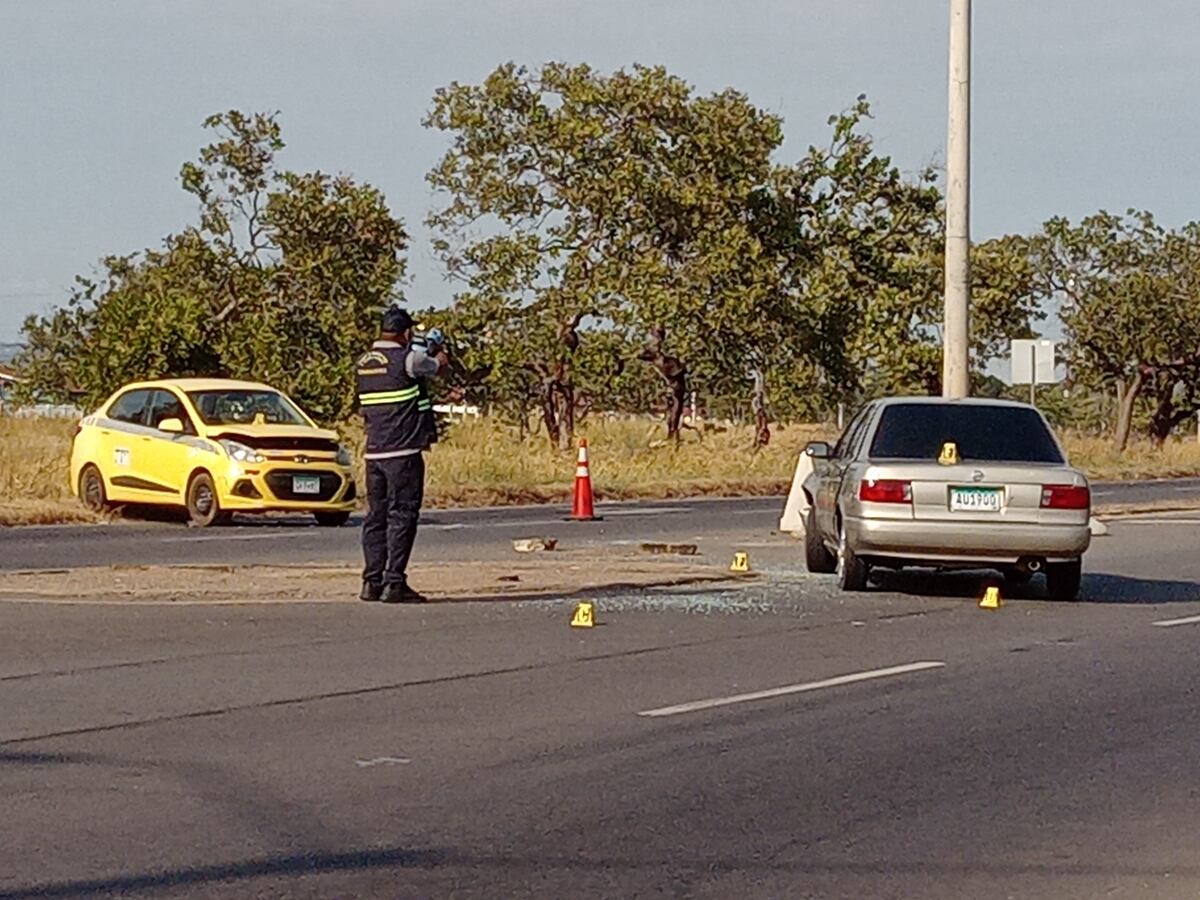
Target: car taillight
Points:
(885, 490)
(1066, 496)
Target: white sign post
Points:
(1034, 363)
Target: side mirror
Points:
(171, 426)
(819, 450)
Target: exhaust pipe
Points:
(1030, 564)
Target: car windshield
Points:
(246, 407)
(985, 433)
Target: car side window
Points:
(130, 407)
(861, 433)
(165, 405)
(850, 436)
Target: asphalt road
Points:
(488, 750)
(451, 534)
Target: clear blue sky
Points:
(1079, 104)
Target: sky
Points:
(1078, 105)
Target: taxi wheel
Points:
(203, 507)
(91, 490)
(332, 519)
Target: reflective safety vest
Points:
(391, 402)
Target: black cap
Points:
(396, 320)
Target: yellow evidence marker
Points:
(991, 599)
(741, 562)
(949, 454)
(585, 616)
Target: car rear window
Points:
(988, 433)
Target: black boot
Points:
(371, 592)
(400, 593)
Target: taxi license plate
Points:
(306, 484)
(975, 499)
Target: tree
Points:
(865, 247)
(581, 203)
(281, 280)
(1130, 300)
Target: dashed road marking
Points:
(382, 761)
(852, 678)
(1171, 623)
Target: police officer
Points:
(394, 401)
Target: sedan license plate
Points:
(975, 499)
(306, 484)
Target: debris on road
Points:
(534, 545)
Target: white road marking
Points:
(382, 761)
(1171, 623)
(641, 511)
(1162, 520)
(264, 536)
(870, 675)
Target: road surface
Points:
(789, 741)
(449, 534)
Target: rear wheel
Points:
(202, 505)
(853, 571)
(91, 490)
(332, 519)
(1063, 580)
(816, 556)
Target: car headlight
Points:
(344, 456)
(241, 453)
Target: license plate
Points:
(975, 499)
(306, 484)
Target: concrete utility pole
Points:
(956, 375)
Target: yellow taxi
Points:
(213, 446)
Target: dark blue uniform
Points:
(399, 424)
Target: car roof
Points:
(944, 401)
(201, 384)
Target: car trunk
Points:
(987, 492)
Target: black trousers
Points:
(395, 490)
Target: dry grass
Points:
(1176, 459)
(34, 455)
(483, 463)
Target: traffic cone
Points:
(582, 508)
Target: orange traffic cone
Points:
(581, 508)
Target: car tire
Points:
(1063, 580)
(332, 519)
(91, 490)
(853, 571)
(816, 555)
(203, 507)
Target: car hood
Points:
(279, 437)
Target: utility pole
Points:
(956, 374)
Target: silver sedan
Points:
(947, 484)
